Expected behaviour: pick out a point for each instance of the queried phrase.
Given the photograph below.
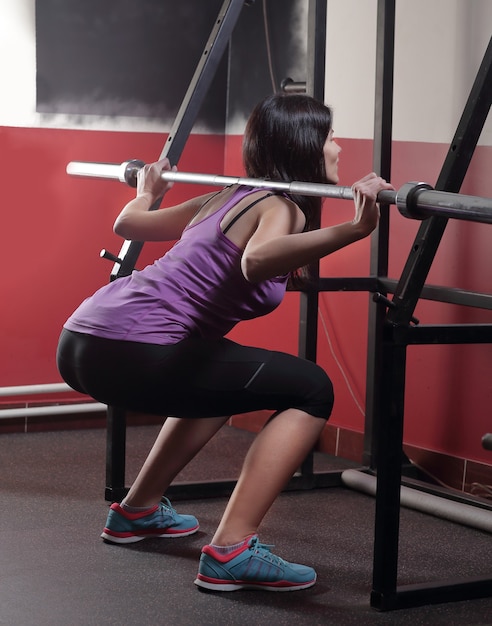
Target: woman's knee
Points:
(319, 398)
(294, 382)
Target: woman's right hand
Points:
(150, 181)
(365, 193)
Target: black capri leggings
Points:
(193, 378)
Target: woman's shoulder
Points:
(281, 206)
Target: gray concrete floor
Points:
(55, 570)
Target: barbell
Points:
(415, 200)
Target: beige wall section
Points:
(18, 67)
(350, 66)
(439, 46)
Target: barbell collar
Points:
(407, 199)
(129, 170)
(420, 201)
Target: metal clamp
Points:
(407, 199)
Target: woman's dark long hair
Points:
(284, 140)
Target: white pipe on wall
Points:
(48, 388)
(64, 409)
(22, 390)
(427, 503)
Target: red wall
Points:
(54, 227)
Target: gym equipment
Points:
(414, 200)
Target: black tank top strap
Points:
(206, 202)
(243, 211)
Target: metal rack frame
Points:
(393, 331)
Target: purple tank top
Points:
(197, 289)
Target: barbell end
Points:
(407, 199)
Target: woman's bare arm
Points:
(137, 223)
(271, 251)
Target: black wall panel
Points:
(137, 57)
(124, 57)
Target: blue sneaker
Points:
(251, 566)
(160, 520)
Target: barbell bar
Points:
(415, 200)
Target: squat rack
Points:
(391, 323)
(391, 331)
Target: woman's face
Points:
(331, 150)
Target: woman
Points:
(154, 342)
